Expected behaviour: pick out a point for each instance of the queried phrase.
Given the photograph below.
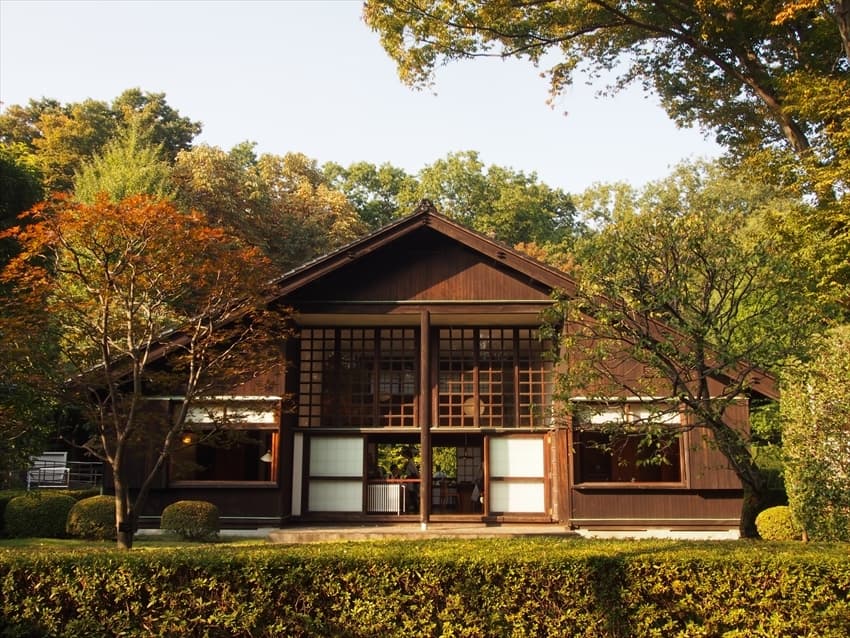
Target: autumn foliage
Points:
(118, 286)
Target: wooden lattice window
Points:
(493, 377)
(358, 377)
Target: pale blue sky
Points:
(311, 77)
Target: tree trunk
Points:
(124, 525)
(736, 451)
(842, 19)
(754, 502)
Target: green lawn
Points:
(140, 542)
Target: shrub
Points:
(93, 518)
(191, 520)
(814, 439)
(475, 587)
(38, 514)
(778, 524)
(5, 497)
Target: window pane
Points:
(512, 457)
(358, 377)
(517, 497)
(237, 455)
(620, 457)
(335, 496)
(336, 456)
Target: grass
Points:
(144, 541)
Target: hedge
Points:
(516, 587)
(38, 514)
(192, 520)
(93, 518)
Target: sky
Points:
(311, 77)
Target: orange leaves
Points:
(117, 275)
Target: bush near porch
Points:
(500, 587)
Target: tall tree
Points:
(20, 188)
(686, 279)
(724, 63)
(283, 205)
(25, 405)
(816, 440)
(373, 190)
(119, 284)
(128, 165)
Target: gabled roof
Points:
(425, 215)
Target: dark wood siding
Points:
(424, 266)
(626, 508)
(708, 468)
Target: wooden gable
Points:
(424, 265)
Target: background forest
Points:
(750, 254)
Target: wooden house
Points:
(418, 346)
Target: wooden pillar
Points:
(425, 477)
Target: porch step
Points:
(412, 531)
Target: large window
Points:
(228, 442)
(493, 377)
(358, 377)
(631, 444)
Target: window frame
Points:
(225, 414)
(631, 411)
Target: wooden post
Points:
(425, 478)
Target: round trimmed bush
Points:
(191, 520)
(93, 518)
(778, 524)
(38, 515)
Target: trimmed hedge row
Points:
(452, 588)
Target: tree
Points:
(128, 165)
(500, 202)
(25, 405)
(283, 205)
(63, 137)
(373, 190)
(687, 280)
(770, 79)
(726, 64)
(816, 440)
(140, 299)
(20, 188)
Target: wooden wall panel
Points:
(425, 266)
(635, 507)
(708, 467)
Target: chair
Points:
(49, 469)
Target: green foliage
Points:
(128, 165)
(191, 520)
(282, 205)
(502, 203)
(778, 524)
(373, 190)
(41, 514)
(698, 290)
(5, 497)
(504, 587)
(816, 437)
(93, 517)
(62, 137)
